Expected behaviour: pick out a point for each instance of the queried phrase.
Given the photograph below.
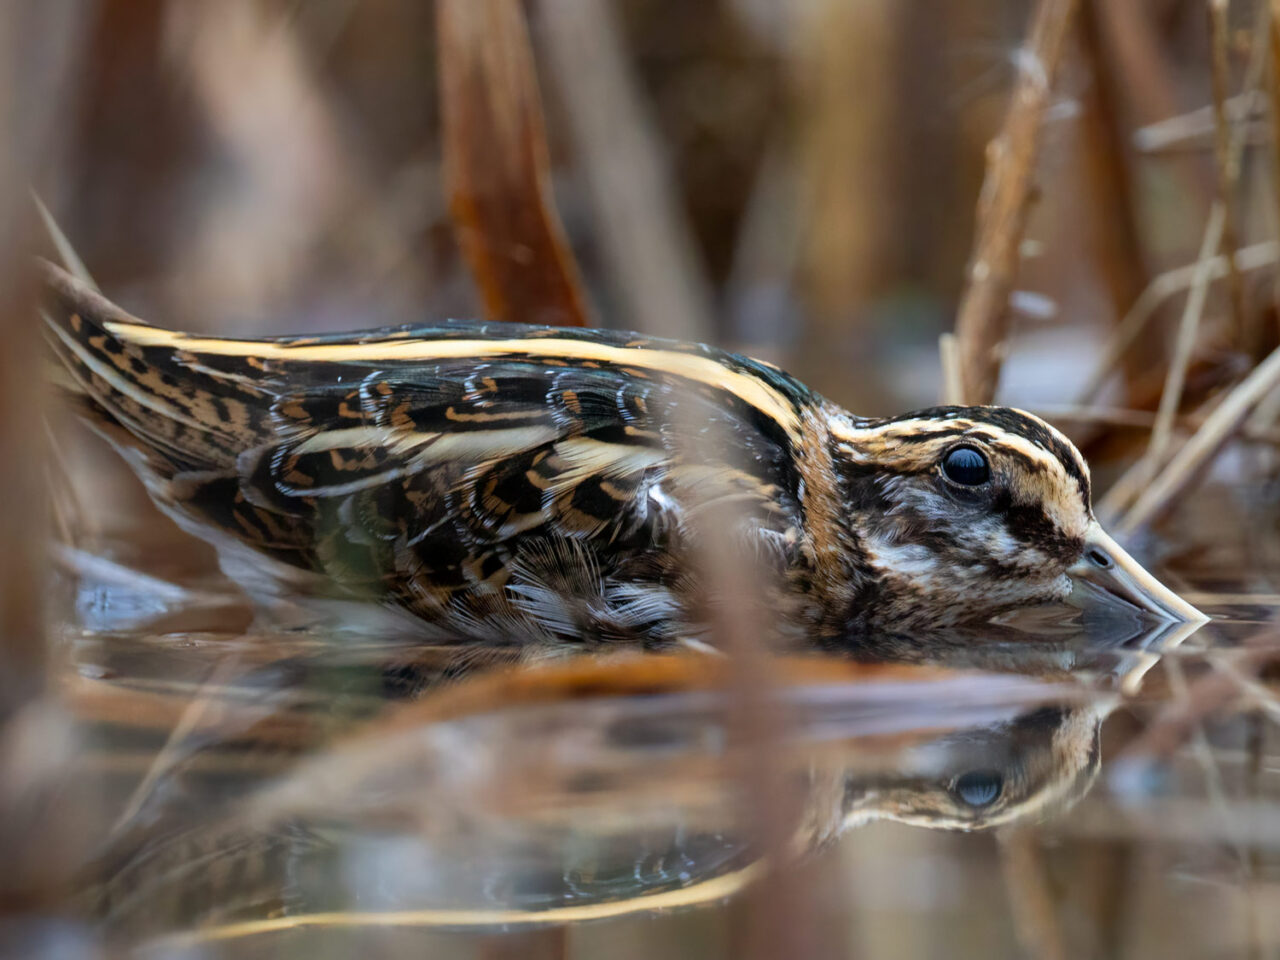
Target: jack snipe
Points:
(528, 485)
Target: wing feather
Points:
(451, 479)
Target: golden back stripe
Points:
(714, 890)
(702, 370)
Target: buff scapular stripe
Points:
(695, 368)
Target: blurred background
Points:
(794, 179)
(258, 167)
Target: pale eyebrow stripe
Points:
(688, 366)
(1032, 451)
(997, 436)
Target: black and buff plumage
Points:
(537, 486)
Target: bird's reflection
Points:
(970, 779)
(600, 785)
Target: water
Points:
(1061, 785)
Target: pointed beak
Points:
(1106, 565)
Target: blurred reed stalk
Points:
(38, 41)
(1227, 163)
(850, 200)
(496, 160)
(1031, 896)
(1108, 160)
(661, 287)
(1273, 99)
(497, 170)
(982, 324)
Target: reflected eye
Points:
(967, 466)
(979, 788)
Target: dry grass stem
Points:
(1273, 90)
(1228, 165)
(952, 376)
(1031, 897)
(201, 710)
(1219, 427)
(1259, 432)
(1198, 741)
(37, 844)
(983, 320)
(1253, 257)
(1197, 129)
(1214, 598)
(1138, 476)
(1188, 332)
(1176, 721)
(497, 168)
(650, 253)
(1106, 154)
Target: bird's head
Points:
(962, 513)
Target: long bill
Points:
(1108, 566)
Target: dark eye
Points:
(979, 788)
(967, 466)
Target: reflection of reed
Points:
(517, 769)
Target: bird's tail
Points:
(183, 420)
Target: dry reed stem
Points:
(1219, 427)
(633, 675)
(1144, 420)
(1273, 89)
(648, 248)
(1118, 249)
(39, 842)
(1175, 722)
(202, 709)
(1195, 130)
(952, 375)
(1161, 288)
(983, 320)
(1188, 331)
(29, 88)
(1198, 741)
(497, 167)
(1228, 165)
(1031, 897)
(1137, 477)
(251, 234)
(100, 702)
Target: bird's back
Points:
(464, 471)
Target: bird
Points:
(545, 489)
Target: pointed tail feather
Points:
(189, 419)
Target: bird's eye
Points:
(967, 466)
(979, 788)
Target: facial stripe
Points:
(699, 369)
